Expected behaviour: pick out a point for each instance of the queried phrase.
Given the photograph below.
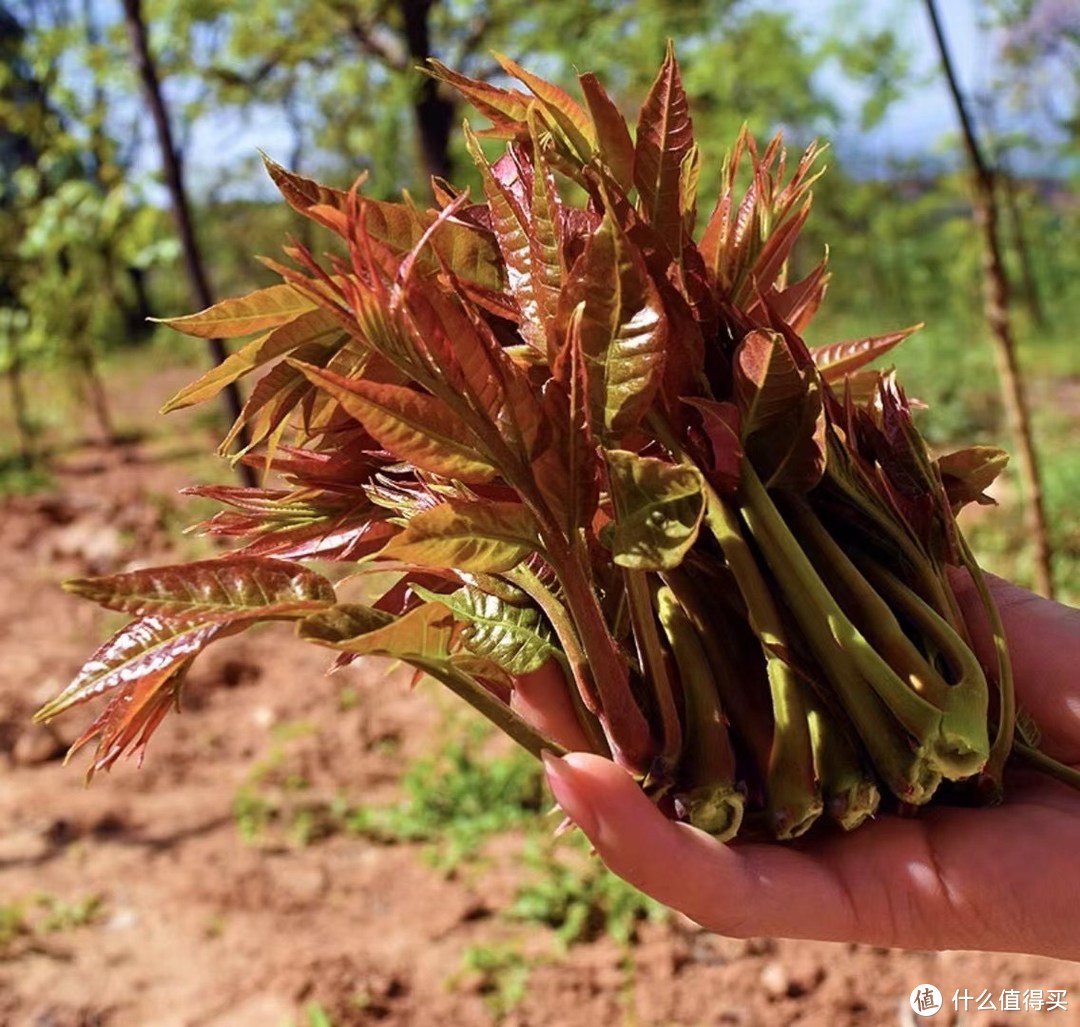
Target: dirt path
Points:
(138, 902)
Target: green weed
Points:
(275, 795)
(502, 974)
(315, 1015)
(576, 895)
(17, 478)
(30, 919)
(457, 798)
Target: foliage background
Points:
(87, 251)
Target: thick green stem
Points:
(573, 659)
(912, 773)
(791, 789)
(779, 736)
(955, 739)
(708, 798)
(477, 696)
(847, 785)
(843, 478)
(1006, 726)
(965, 698)
(655, 672)
(741, 685)
(791, 784)
(603, 676)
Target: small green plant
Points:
(30, 919)
(577, 897)
(253, 813)
(20, 478)
(502, 972)
(316, 1015)
(58, 915)
(13, 926)
(275, 794)
(457, 798)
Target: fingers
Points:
(542, 699)
(1044, 646)
(743, 891)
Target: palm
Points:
(1004, 878)
(950, 878)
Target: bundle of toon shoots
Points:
(577, 433)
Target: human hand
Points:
(1005, 878)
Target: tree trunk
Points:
(172, 168)
(996, 291)
(141, 310)
(434, 112)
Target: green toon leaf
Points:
(506, 109)
(839, 359)
(781, 412)
(420, 638)
(513, 635)
(665, 138)
(658, 510)
(566, 472)
(545, 240)
(967, 473)
(423, 632)
(229, 589)
(512, 225)
(484, 537)
(562, 110)
(468, 251)
(615, 148)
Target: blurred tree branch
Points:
(173, 170)
(996, 292)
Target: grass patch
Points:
(25, 923)
(458, 797)
(572, 892)
(499, 972)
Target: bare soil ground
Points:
(140, 903)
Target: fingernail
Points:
(562, 779)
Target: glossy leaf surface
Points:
(514, 635)
(623, 331)
(227, 589)
(470, 536)
(422, 632)
(409, 424)
(658, 510)
(145, 649)
(257, 311)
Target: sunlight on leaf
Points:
(658, 510)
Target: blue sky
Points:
(914, 126)
(924, 115)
